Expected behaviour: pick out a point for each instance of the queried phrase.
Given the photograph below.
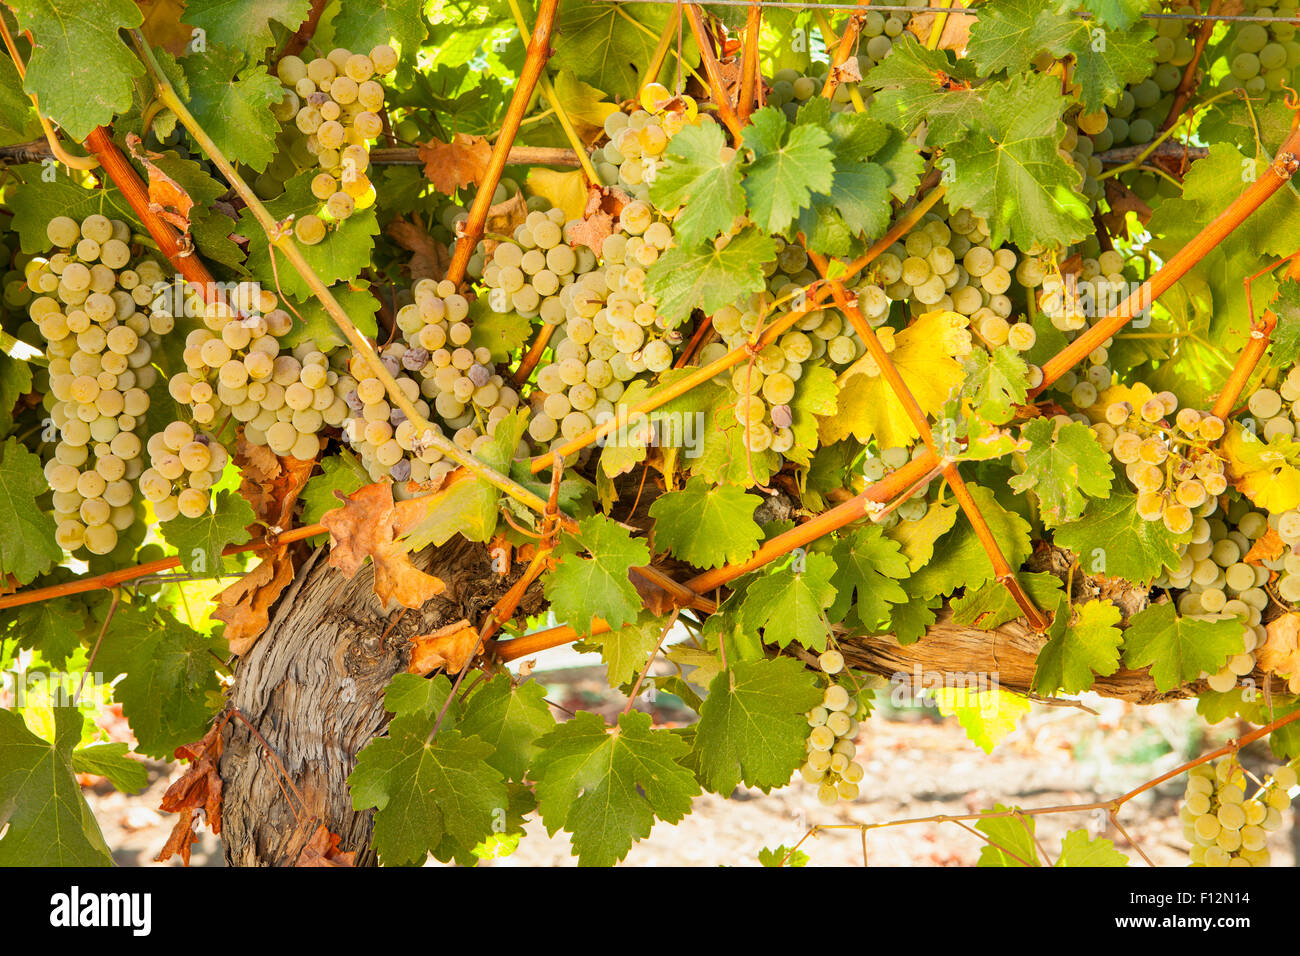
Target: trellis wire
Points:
(968, 11)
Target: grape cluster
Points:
(1224, 827)
(234, 369)
(529, 274)
(1260, 58)
(612, 331)
(1174, 468)
(879, 463)
(633, 155)
(830, 764)
(440, 372)
(336, 103)
(92, 310)
(183, 465)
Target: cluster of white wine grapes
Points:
(830, 764)
(1174, 468)
(1070, 301)
(93, 312)
(529, 274)
(183, 465)
(632, 157)
(234, 369)
(1272, 414)
(336, 103)
(879, 463)
(1223, 826)
(1261, 58)
(440, 372)
(612, 332)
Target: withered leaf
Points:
(245, 606)
(199, 788)
(450, 647)
(451, 166)
(1280, 653)
(166, 197)
(1267, 547)
(323, 850)
(597, 225)
(429, 258)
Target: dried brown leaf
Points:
(162, 25)
(166, 197)
(199, 788)
(1280, 652)
(364, 527)
(455, 165)
(245, 606)
(597, 225)
(271, 485)
(429, 258)
(323, 850)
(1267, 547)
(450, 647)
(956, 29)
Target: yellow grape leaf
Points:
(1265, 472)
(1136, 395)
(585, 105)
(986, 715)
(917, 537)
(867, 404)
(568, 190)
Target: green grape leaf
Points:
(1011, 840)
(341, 255)
(917, 538)
(199, 541)
(232, 98)
(1085, 648)
(1178, 649)
(695, 177)
(867, 566)
(53, 628)
(499, 332)
(1062, 467)
(607, 788)
(782, 856)
(169, 668)
(788, 165)
(27, 547)
(80, 68)
(581, 589)
(626, 650)
(992, 605)
(340, 472)
(753, 725)
(918, 85)
(1011, 33)
(707, 277)
(1284, 344)
(18, 122)
(858, 200)
(246, 24)
(511, 719)
(707, 525)
(111, 761)
(437, 796)
(986, 713)
(38, 202)
(724, 458)
(313, 324)
(15, 381)
(366, 25)
(1078, 849)
(1117, 14)
(43, 816)
(790, 604)
(606, 44)
(996, 382)
(960, 560)
(1010, 169)
(1111, 538)
(910, 621)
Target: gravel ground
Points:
(917, 763)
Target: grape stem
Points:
(852, 30)
(1188, 84)
(713, 70)
(1260, 333)
(749, 67)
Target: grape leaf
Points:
(608, 788)
(1266, 472)
(1111, 538)
(1011, 33)
(782, 856)
(27, 547)
(1087, 647)
(437, 796)
(867, 565)
(53, 628)
(511, 719)
(917, 538)
(366, 25)
(959, 558)
(788, 165)
(707, 277)
(1061, 467)
(79, 68)
(868, 406)
(111, 761)
(199, 541)
(169, 668)
(992, 605)
(500, 332)
(707, 525)
(626, 650)
(996, 382)
(15, 381)
(918, 85)
(232, 100)
(816, 396)
(790, 604)
(313, 324)
(18, 122)
(1078, 849)
(581, 589)
(1178, 649)
(1119, 14)
(43, 816)
(911, 620)
(246, 24)
(987, 714)
(695, 177)
(1011, 840)
(753, 726)
(1010, 169)
(724, 458)
(338, 473)
(606, 44)
(1284, 345)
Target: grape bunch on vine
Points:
(355, 356)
